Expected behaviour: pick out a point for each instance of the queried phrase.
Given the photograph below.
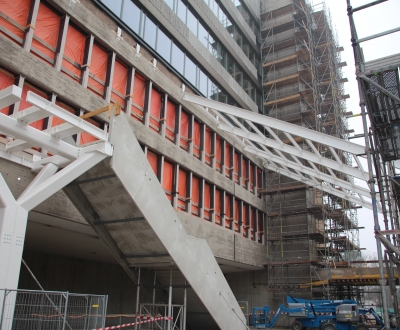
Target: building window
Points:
(114, 6)
(131, 15)
(190, 71)
(178, 59)
(164, 45)
(150, 33)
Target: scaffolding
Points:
(379, 87)
(307, 228)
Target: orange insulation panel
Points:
(236, 167)
(47, 29)
(17, 11)
(171, 115)
(228, 163)
(217, 206)
(153, 160)
(244, 220)
(155, 110)
(195, 195)
(218, 153)
(244, 170)
(98, 68)
(227, 211)
(139, 95)
(182, 194)
(73, 52)
(6, 79)
(119, 83)
(252, 222)
(196, 139)
(184, 130)
(251, 178)
(208, 146)
(236, 216)
(168, 177)
(207, 201)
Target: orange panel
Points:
(98, 69)
(236, 167)
(207, 201)
(217, 206)
(218, 153)
(236, 216)
(227, 211)
(138, 99)
(251, 178)
(195, 195)
(87, 138)
(57, 121)
(47, 30)
(171, 114)
(243, 174)
(18, 11)
(196, 139)
(74, 52)
(252, 222)
(24, 105)
(155, 110)
(119, 82)
(208, 146)
(227, 160)
(168, 177)
(184, 130)
(244, 220)
(6, 79)
(153, 160)
(182, 189)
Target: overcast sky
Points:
(379, 18)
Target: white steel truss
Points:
(58, 163)
(288, 158)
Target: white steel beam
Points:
(10, 95)
(278, 124)
(10, 126)
(322, 187)
(309, 171)
(304, 154)
(42, 191)
(68, 117)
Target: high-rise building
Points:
(268, 233)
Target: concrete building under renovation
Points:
(149, 191)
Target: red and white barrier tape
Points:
(151, 319)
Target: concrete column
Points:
(20, 83)
(61, 43)
(147, 104)
(129, 91)
(191, 134)
(213, 150)
(137, 299)
(189, 192)
(212, 203)
(28, 37)
(175, 187)
(170, 301)
(202, 143)
(178, 125)
(109, 76)
(87, 59)
(163, 120)
(201, 198)
(248, 174)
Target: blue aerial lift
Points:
(321, 314)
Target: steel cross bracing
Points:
(22, 137)
(290, 159)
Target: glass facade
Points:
(137, 19)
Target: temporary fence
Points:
(48, 310)
(144, 320)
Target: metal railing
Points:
(155, 310)
(48, 310)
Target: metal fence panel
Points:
(47, 310)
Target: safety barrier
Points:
(48, 310)
(149, 320)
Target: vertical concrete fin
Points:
(193, 256)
